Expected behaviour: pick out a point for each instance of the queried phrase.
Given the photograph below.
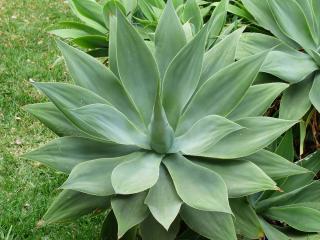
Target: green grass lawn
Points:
(27, 188)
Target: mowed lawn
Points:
(27, 188)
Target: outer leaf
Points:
(129, 211)
(217, 21)
(271, 232)
(222, 92)
(192, 14)
(89, 73)
(286, 146)
(113, 62)
(107, 123)
(136, 175)
(262, 13)
(94, 177)
(65, 153)
(192, 181)
(309, 193)
(137, 67)
(252, 43)
(241, 177)
(75, 29)
(212, 225)
(151, 229)
(290, 66)
(295, 101)
(289, 15)
(70, 205)
(182, 77)
(89, 12)
(292, 215)
(163, 200)
(52, 118)
(315, 93)
(205, 132)
(169, 37)
(274, 165)
(257, 100)
(258, 132)
(92, 41)
(67, 96)
(246, 219)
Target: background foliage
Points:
(28, 52)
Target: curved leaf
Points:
(89, 12)
(89, 73)
(291, 20)
(212, 225)
(257, 100)
(151, 229)
(52, 118)
(67, 96)
(315, 92)
(222, 92)
(192, 181)
(163, 200)
(107, 123)
(263, 14)
(295, 101)
(169, 37)
(65, 153)
(220, 55)
(91, 41)
(129, 211)
(242, 178)
(290, 67)
(205, 132)
(271, 232)
(71, 205)
(182, 77)
(137, 67)
(191, 13)
(258, 132)
(94, 177)
(274, 165)
(246, 219)
(141, 172)
(292, 215)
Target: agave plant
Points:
(93, 33)
(297, 206)
(295, 59)
(164, 137)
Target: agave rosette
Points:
(295, 59)
(163, 135)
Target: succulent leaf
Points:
(70, 205)
(192, 180)
(137, 68)
(169, 38)
(235, 174)
(63, 154)
(129, 210)
(212, 225)
(141, 172)
(227, 87)
(163, 200)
